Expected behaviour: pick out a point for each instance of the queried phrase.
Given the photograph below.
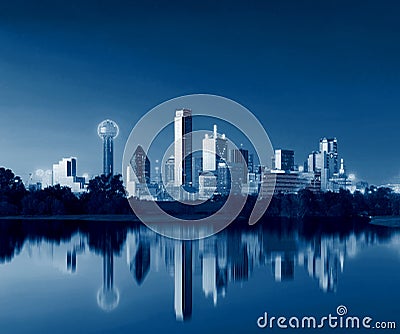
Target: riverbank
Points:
(388, 221)
(104, 218)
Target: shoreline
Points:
(105, 218)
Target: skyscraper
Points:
(107, 131)
(311, 162)
(238, 169)
(183, 147)
(215, 150)
(330, 148)
(140, 164)
(328, 161)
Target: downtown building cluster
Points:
(217, 170)
(220, 169)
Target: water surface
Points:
(98, 277)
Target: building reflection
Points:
(183, 280)
(108, 294)
(214, 267)
(138, 257)
(217, 261)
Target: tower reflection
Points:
(108, 294)
(183, 280)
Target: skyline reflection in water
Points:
(99, 264)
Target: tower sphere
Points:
(107, 128)
(108, 300)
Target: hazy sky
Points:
(307, 69)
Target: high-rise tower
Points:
(183, 147)
(215, 150)
(107, 131)
(140, 164)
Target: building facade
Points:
(140, 164)
(284, 160)
(64, 174)
(183, 147)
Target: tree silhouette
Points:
(12, 191)
(106, 195)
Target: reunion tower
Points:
(107, 131)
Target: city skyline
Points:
(302, 73)
(327, 147)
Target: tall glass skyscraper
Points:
(107, 131)
(140, 164)
(183, 147)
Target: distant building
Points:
(251, 188)
(207, 185)
(328, 160)
(240, 156)
(138, 175)
(238, 168)
(285, 183)
(311, 164)
(64, 174)
(250, 163)
(183, 147)
(330, 147)
(223, 179)
(215, 150)
(198, 168)
(311, 181)
(169, 168)
(140, 164)
(325, 165)
(284, 160)
(340, 180)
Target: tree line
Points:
(107, 195)
(373, 202)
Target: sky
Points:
(306, 69)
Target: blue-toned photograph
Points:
(199, 166)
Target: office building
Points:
(215, 150)
(328, 160)
(207, 185)
(169, 170)
(64, 174)
(285, 183)
(283, 160)
(223, 179)
(183, 147)
(312, 162)
(197, 168)
(140, 164)
(250, 163)
(238, 168)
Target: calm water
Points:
(98, 277)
